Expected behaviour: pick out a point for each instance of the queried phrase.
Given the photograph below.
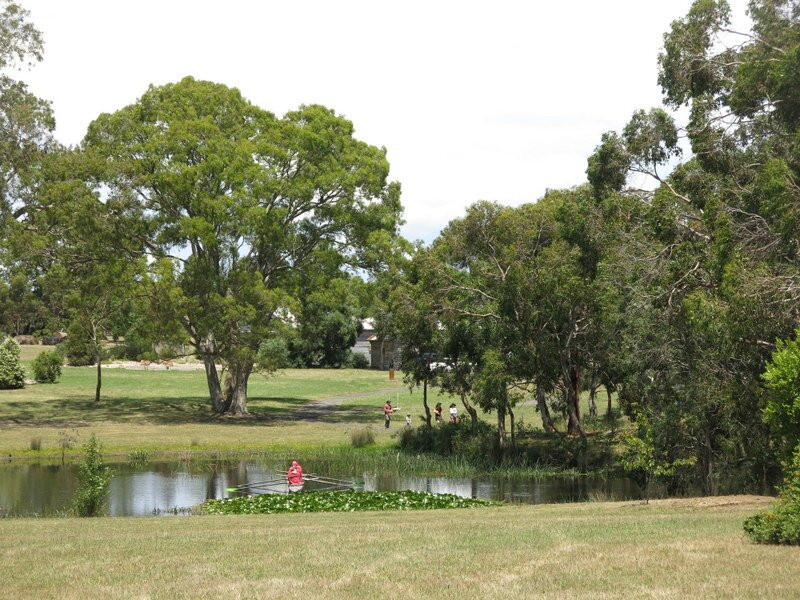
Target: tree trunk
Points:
(541, 402)
(214, 387)
(236, 389)
(574, 426)
(513, 435)
(425, 402)
(98, 356)
(592, 402)
(707, 467)
(473, 414)
(99, 378)
(501, 426)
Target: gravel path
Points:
(313, 411)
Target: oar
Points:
(325, 477)
(244, 486)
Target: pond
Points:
(161, 487)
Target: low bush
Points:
(356, 360)
(47, 366)
(338, 502)
(781, 524)
(362, 437)
(93, 478)
(36, 444)
(12, 375)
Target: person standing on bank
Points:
(453, 413)
(437, 412)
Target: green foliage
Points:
(274, 354)
(338, 502)
(479, 447)
(291, 189)
(684, 72)
(19, 39)
(330, 319)
(607, 168)
(651, 138)
(781, 524)
(78, 347)
(93, 478)
(138, 457)
(646, 461)
(782, 378)
(22, 309)
(12, 375)
(47, 366)
(356, 360)
(362, 437)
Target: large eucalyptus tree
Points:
(234, 202)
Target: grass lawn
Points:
(668, 549)
(169, 410)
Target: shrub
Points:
(356, 360)
(362, 437)
(36, 444)
(79, 349)
(12, 375)
(90, 496)
(47, 366)
(781, 524)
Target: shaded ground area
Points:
(330, 409)
(172, 397)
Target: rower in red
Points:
(295, 477)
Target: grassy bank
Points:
(668, 549)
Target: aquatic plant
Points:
(138, 457)
(93, 478)
(337, 502)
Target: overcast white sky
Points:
(473, 100)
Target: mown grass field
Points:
(667, 549)
(169, 411)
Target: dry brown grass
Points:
(669, 549)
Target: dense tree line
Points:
(193, 218)
(674, 296)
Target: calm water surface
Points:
(160, 487)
